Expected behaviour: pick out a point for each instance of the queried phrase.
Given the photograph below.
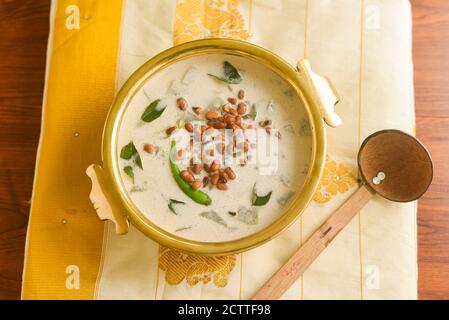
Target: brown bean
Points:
(196, 168)
(214, 166)
(241, 94)
(197, 184)
(148, 147)
(230, 173)
(189, 127)
(206, 167)
(197, 110)
(229, 119)
(268, 130)
(182, 103)
(223, 175)
(238, 120)
(232, 100)
(211, 115)
(225, 108)
(241, 108)
(214, 179)
(222, 186)
(170, 130)
(185, 174)
(219, 125)
(265, 123)
(279, 135)
(233, 112)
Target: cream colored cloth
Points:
(365, 48)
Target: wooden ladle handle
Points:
(303, 258)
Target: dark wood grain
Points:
(24, 25)
(433, 213)
(431, 52)
(23, 41)
(431, 59)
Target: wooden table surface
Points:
(23, 41)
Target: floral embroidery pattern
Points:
(195, 269)
(197, 19)
(336, 179)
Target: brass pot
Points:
(108, 192)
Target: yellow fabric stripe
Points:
(63, 229)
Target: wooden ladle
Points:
(392, 164)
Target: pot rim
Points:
(110, 154)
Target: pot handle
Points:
(103, 201)
(320, 91)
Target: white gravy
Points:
(154, 185)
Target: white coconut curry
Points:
(213, 147)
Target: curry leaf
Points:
(230, 74)
(138, 161)
(212, 215)
(248, 216)
(220, 78)
(153, 111)
(253, 112)
(128, 151)
(172, 203)
(260, 200)
(284, 199)
(129, 172)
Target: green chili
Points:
(196, 195)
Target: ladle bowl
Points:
(402, 158)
